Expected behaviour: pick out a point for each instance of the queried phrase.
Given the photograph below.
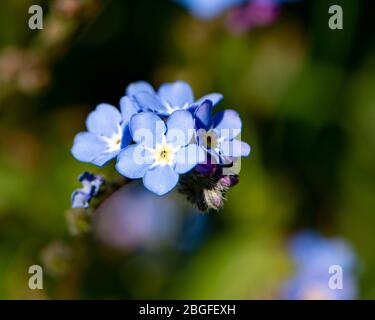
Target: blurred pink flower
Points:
(259, 13)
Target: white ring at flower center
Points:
(163, 154)
(114, 142)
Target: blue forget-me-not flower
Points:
(169, 97)
(160, 137)
(107, 133)
(217, 134)
(91, 184)
(162, 151)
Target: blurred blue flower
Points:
(162, 150)
(136, 219)
(315, 287)
(108, 133)
(313, 255)
(217, 134)
(91, 184)
(209, 9)
(169, 98)
(311, 251)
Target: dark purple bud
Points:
(206, 168)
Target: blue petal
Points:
(214, 157)
(126, 137)
(215, 98)
(180, 127)
(86, 187)
(227, 124)
(95, 185)
(137, 87)
(80, 199)
(178, 94)
(150, 102)
(188, 157)
(103, 158)
(147, 128)
(234, 148)
(88, 147)
(104, 120)
(160, 179)
(134, 161)
(128, 109)
(208, 9)
(245, 149)
(203, 115)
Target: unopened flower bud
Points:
(213, 198)
(229, 181)
(206, 168)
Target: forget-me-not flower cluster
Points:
(159, 135)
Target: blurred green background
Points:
(306, 95)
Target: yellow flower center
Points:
(164, 154)
(114, 142)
